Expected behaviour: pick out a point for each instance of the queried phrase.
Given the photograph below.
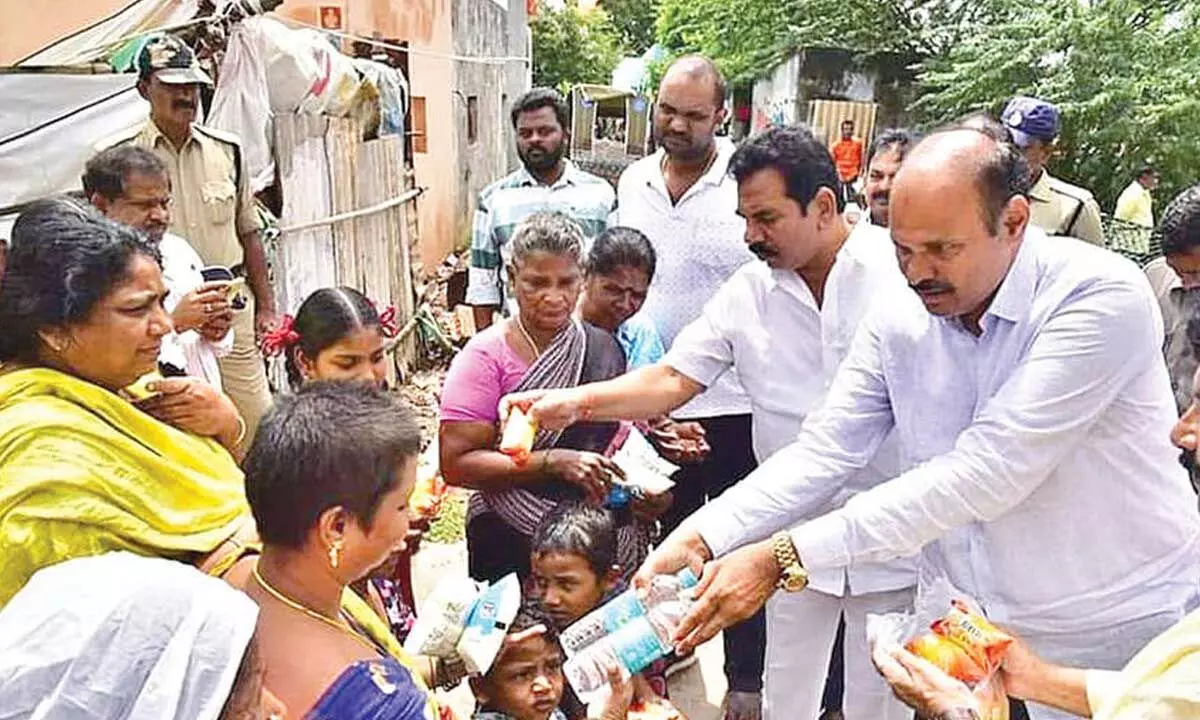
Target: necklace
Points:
(537, 351)
(298, 607)
(662, 167)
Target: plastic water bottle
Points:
(627, 631)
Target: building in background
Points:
(465, 60)
(468, 59)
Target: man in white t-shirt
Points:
(682, 198)
(130, 184)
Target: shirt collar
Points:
(1015, 296)
(851, 253)
(1041, 189)
(717, 174)
(526, 178)
(154, 134)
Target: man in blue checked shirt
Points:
(546, 182)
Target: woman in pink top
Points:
(543, 346)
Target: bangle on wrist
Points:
(241, 431)
(546, 461)
(960, 713)
(585, 407)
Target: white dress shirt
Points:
(1040, 453)
(700, 242)
(767, 324)
(189, 351)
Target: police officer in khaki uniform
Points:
(213, 207)
(1057, 207)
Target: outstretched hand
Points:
(731, 589)
(550, 409)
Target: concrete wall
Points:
(783, 95)
(27, 26)
(453, 169)
(426, 26)
(486, 28)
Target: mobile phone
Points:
(220, 273)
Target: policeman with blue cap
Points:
(1057, 207)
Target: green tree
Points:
(634, 23)
(572, 46)
(1125, 73)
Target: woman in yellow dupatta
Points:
(83, 470)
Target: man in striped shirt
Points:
(547, 182)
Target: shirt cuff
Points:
(719, 533)
(1101, 685)
(821, 543)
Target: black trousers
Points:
(495, 549)
(731, 459)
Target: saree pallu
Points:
(83, 472)
(388, 688)
(578, 354)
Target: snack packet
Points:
(517, 438)
(443, 618)
(949, 631)
(653, 709)
(139, 390)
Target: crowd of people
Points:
(860, 402)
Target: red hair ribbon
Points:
(389, 323)
(277, 341)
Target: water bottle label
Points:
(602, 621)
(637, 645)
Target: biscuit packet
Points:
(950, 631)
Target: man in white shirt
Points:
(682, 198)
(130, 184)
(1031, 401)
(785, 325)
(883, 162)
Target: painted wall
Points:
(27, 26)
(783, 95)
(484, 28)
(425, 25)
(453, 169)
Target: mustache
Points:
(931, 286)
(762, 250)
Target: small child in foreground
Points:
(526, 680)
(574, 571)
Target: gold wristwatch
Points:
(792, 575)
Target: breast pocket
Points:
(219, 197)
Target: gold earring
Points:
(335, 553)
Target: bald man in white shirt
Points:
(1025, 380)
(785, 324)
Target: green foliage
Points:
(450, 524)
(744, 37)
(571, 46)
(748, 37)
(1125, 73)
(634, 23)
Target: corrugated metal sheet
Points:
(326, 170)
(825, 118)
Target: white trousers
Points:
(801, 629)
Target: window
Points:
(420, 141)
(472, 120)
